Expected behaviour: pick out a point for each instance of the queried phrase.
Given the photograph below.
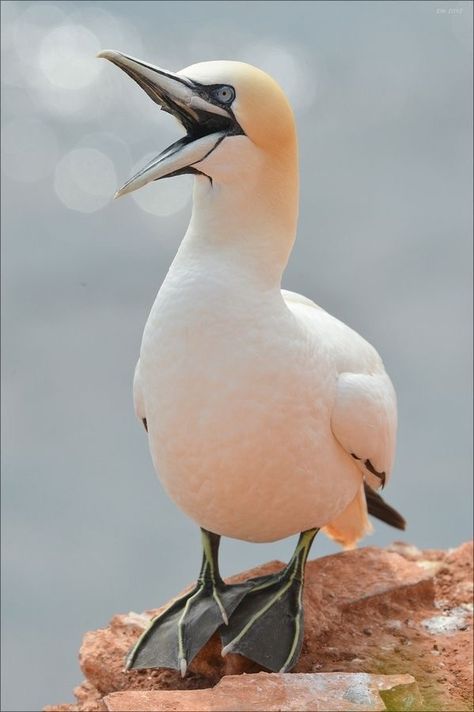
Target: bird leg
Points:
(175, 636)
(267, 626)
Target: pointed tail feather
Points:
(377, 507)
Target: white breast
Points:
(238, 393)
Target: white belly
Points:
(238, 411)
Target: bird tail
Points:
(379, 508)
(352, 524)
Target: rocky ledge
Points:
(385, 629)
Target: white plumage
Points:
(255, 401)
(266, 416)
(262, 409)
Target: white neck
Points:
(248, 221)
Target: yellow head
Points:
(259, 105)
(235, 115)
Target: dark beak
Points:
(206, 122)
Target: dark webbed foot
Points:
(176, 635)
(267, 626)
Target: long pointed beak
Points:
(175, 160)
(206, 123)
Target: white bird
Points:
(266, 416)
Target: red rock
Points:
(264, 692)
(366, 611)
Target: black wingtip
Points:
(377, 507)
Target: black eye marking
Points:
(224, 94)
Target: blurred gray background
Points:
(382, 94)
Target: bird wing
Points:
(363, 417)
(138, 399)
(364, 422)
(364, 414)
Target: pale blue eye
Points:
(224, 94)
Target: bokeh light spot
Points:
(85, 180)
(29, 30)
(111, 30)
(67, 57)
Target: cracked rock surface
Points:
(385, 629)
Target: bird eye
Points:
(224, 94)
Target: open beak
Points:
(206, 122)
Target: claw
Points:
(226, 649)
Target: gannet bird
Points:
(265, 415)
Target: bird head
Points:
(235, 117)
